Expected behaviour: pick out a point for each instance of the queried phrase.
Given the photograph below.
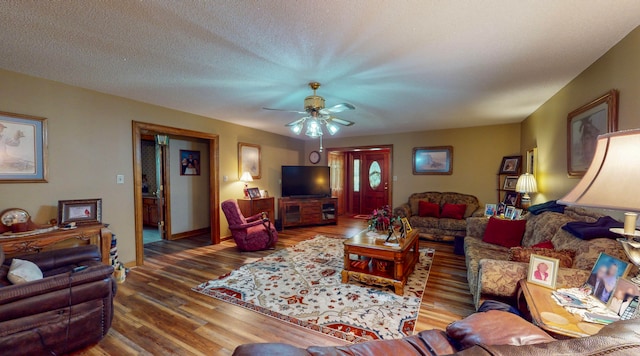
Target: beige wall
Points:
(477, 154)
(90, 142)
(546, 128)
(189, 198)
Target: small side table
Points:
(545, 313)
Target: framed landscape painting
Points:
(23, 148)
(249, 160)
(433, 160)
(584, 124)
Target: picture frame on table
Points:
(249, 160)
(511, 198)
(437, 160)
(622, 295)
(80, 212)
(509, 212)
(510, 165)
(606, 272)
(517, 215)
(23, 141)
(543, 271)
(405, 224)
(584, 124)
(500, 210)
(490, 209)
(510, 183)
(254, 193)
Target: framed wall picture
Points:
(510, 165)
(84, 211)
(189, 163)
(433, 160)
(249, 160)
(532, 161)
(510, 182)
(605, 274)
(583, 127)
(543, 271)
(23, 148)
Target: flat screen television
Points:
(306, 181)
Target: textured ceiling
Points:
(405, 65)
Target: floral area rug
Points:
(303, 285)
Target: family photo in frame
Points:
(605, 275)
(543, 271)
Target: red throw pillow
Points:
(544, 244)
(453, 211)
(426, 209)
(507, 233)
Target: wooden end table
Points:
(548, 315)
(389, 265)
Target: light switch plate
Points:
(120, 179)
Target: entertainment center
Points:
(308, 211)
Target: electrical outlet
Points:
(120, 179)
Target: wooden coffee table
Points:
(380, 264)
(548, 315)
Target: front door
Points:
(374, 176)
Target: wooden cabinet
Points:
(250, 207)
(94, 234)
(150, 211)
(311, 211)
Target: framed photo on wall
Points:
(510, 182)
(543, 271)
(84, 211)
(510, 165)
(249, 160)
(583, 127)
(433, 160)
(189, 163)
(23, 148)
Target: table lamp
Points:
(612, 182)
(246, 178)
(526, 184)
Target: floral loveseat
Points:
(439, 228)
(492, 275)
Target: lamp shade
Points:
(612, 180)
(526, 184)
(246, 177)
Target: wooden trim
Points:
(140, 128)
(192, 233)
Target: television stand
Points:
(308, 211)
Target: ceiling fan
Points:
(318, 115)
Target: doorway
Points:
(154, 180)
(141, 130)
(362, 177)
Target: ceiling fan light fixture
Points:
(332, 128)
(297, 128)
(313, 129)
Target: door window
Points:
(375, 174)
(356, 175)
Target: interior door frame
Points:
(367, 149)
(140, 128)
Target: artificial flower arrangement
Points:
(381, 219)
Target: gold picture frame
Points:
(249, 160)
(537, 273)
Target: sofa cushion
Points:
(431, 197)
(544, 244)
(507, 233)
(22, 271)
(481, 328)
(542, 227)
(523, 254)
(427, 209)
(470, 201)
(452, 224)
(417, 221)
(453, 211)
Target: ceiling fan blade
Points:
(295, 111)
(337, 108)
(340, 121)
(294, 123)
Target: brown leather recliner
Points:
(484, 333)
(62, 312)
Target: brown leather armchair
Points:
(485, 333)
(62, 312)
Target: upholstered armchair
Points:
(250, 234)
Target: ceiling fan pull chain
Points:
(320, 144)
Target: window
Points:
(375, 174)
(356, 175)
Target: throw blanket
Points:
(588, 231)
(551, 205)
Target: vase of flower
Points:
(381, 219)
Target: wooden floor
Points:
(156, 313)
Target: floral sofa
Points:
(491, 275)
(439, 229)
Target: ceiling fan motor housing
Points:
(313, 103)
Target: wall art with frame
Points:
(249, 160)
(583, 127)
(189, 163)
(510, 165)
(436, 160)
(84, 211)
(23, 148)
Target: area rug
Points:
(362, 217)
(303, 285)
